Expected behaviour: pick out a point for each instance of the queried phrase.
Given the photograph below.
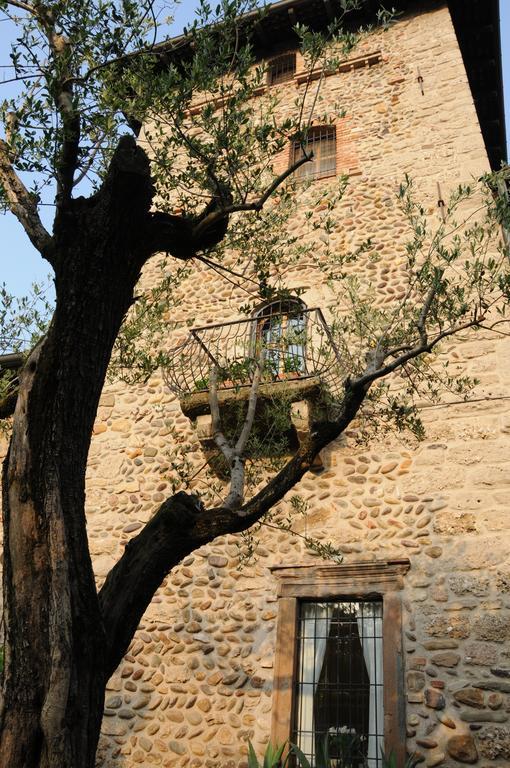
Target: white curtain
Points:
(315, 631)
(369, 618)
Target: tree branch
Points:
(63, 96)
(218, 267)
(158, 231)
(424, 314)
(132, 582)
(69, 155)
(23, 205)
(420, 349)
(184, 237)
(182, 525)
(61, 89)
(321, 435)
(235, 496)
(23, 6)
(217, 215)
(217, 434)
(161, 50)
(252, 407)
(88, 165)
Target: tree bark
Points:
(54, 675)
(56, 666)
(8, 404)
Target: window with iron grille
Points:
(339, 671)
(281, 69)
(339, 682)
(321, 143)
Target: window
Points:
(321, 142)
(339, 681)
(281, 69)
(338, 671)
(281, 332)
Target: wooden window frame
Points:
(317, 135)
(381, 580)
(285, 309)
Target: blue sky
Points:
(21, 265)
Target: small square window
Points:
(281, 69)
(321, 143)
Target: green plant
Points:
(273, 758)
(292, 364)
(343, 743)
(237, 372)
(201, 384)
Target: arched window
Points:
(280, 336)
(281, 69)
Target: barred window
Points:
(338, 677)
(339, 682)
(321, 142)
(281, 69)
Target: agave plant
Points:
(273, 758)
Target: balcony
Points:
(292, 344)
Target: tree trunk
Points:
(54, 667)
(57, 655)
(54, 678)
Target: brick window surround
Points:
(376, 580)
(346, 157)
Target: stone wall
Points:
(197, 680)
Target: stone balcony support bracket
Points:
(300, 415)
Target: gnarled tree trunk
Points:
(54, 654)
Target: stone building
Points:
(408, 638)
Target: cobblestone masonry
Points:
(197, 680)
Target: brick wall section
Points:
(347, 160)
(197, 680)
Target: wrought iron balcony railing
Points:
(292, 345)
